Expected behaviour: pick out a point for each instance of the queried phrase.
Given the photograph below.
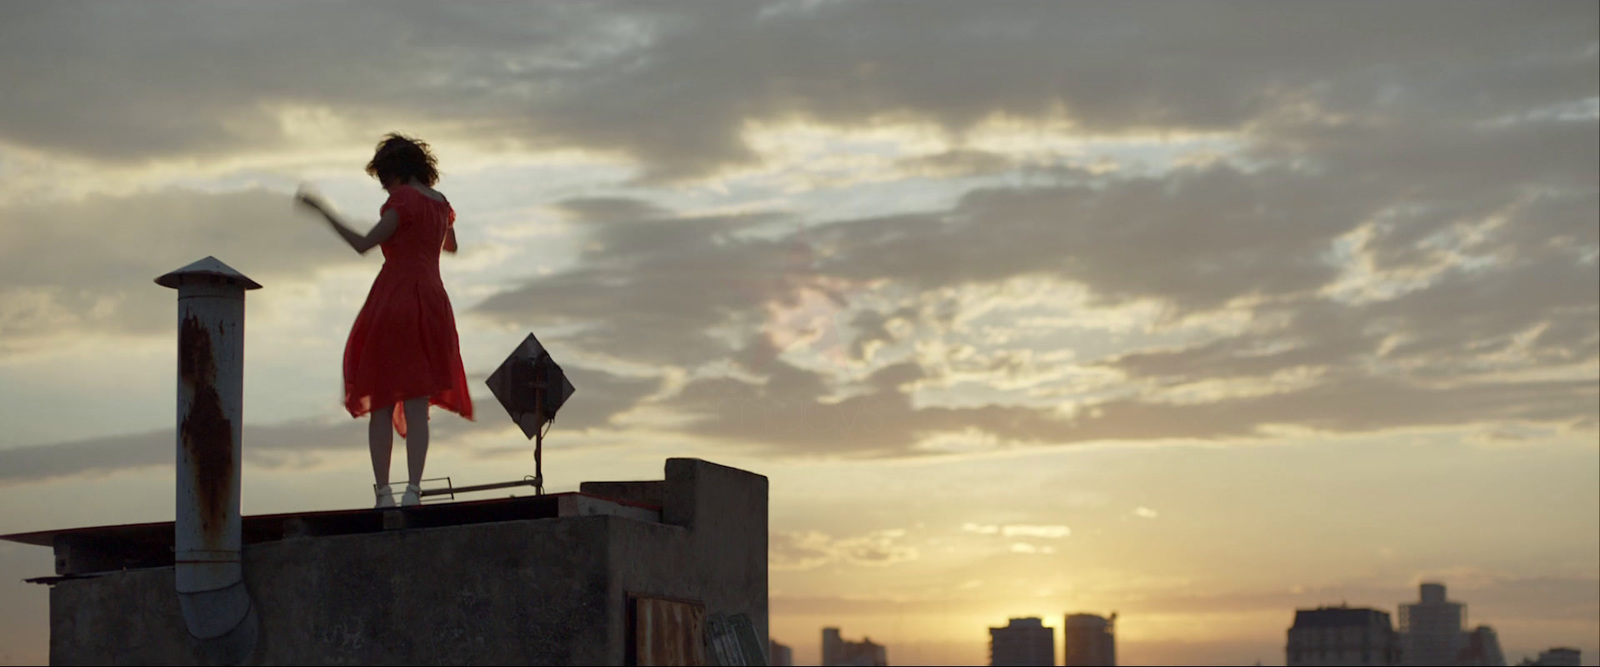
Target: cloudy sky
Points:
(1199, 312)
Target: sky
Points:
(1198, 312)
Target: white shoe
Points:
(412, 496)
(385, 496)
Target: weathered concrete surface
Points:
(534, 591)
(710, 548)
(726, 511)
(639, 493)
(520, 592)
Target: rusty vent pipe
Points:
(210, 578)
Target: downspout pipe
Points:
(210, 577)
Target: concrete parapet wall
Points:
(640, 493)
(711, 546)
(726, 510)
(511, 592)
(528, 591)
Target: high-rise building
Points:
(1342, 636)
(1024, 641)
(1482, 647)
(1432, 632)
(1431, 629)
(1089, 639)
(781, 655)
(838, 651)
(1556, 657)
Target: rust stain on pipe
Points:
(207, 434)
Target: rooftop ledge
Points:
(87, 552)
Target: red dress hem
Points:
(403, 343)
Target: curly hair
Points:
(399, 158)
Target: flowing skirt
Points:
(404, 345)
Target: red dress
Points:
(404, 344)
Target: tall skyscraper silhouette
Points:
(1433, 632)
(1089, 639)
(1431, 629)
(1024, 641)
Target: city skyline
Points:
(1201, 312)
(1424, 623)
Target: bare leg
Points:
(380, 438)
(416, 437)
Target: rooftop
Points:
(1332, 617)
(89, 551)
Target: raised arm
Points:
(361, 243)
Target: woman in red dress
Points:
(403, 347)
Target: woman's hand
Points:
(361, 243)
(308, 198)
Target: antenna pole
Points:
(538, 438)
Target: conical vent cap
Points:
(208, 269)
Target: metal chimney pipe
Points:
(210, 578)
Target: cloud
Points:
(306, 443)
(1400, 256)
(1018, 530)
(1537, 314)
(1402, 229)
(1351, 405)
(599, 398)
(1198, 237)
(1195, 238)
(786, 413)
(90, 264)
(811, 549)
(1104, 69)
(155, 83)
(651, 291)
(297, 443)
(956, 163)
(611, 209)
(1021, 530)
(831, 606)
(1145, 513)
(1277, 245)
(1026, 548)
(1537, 311)
(675, 87)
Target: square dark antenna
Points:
(530, 386)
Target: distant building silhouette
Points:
(1089, 639)
(1556, 657)
(1024, 641)
(1342, 636)
(1432, 632)
(838, 651)
(1431, 629)
(781, 655)
(1482, 648)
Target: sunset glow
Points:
(1197, 312)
